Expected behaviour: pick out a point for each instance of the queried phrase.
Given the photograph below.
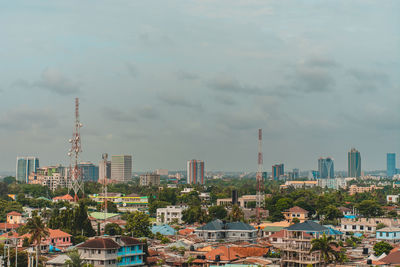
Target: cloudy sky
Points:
(168, 81)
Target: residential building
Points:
(163, 229)
(170, 214)
(242, 201)
(112, 251)
(299, 184)
(392, 198)
(121, 168)
(278, 170)
(354, 163)
(56, 238)
(276, 239)
(67, 198)
(25, 166)
(335, 183)
(346, 211)
(391, 164)
(295, 174)
(51, 176)
(221, 230)
(295, 250)
(353, 189)
(326, 168)
(163, 172)
(89, 171)
(195, 172)
(295, 212)
(149, 179)
(14, 217)
(131, 202)
(391, 234)
(365, 224)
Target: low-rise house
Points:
(392, 198)
(276, 239)
(295, 212)
(170, 214)
(66, 197)
(57, 239)
(365, 224)
(346, 211)
(221, 230)
(391, 234)
(14, 217)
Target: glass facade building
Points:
(390, 164)
(354, 163)
(89, 171)
(277, 171)
(326, 168)
(25, 166)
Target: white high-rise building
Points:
(121, 168)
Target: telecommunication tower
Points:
(259, 177)
(105, 182)
(76, 182)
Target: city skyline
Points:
(196, 80)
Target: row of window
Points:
(387, 234)
(354, 227)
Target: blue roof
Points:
(334, 231)
(350, 216)
(164, 229)
(358, 234)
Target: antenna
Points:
(259, 177)
(76, 149)
(105, 181)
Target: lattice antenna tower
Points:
(105, 182)
(75, 173)
(259, 177)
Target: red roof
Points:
(278, 234)
(9, 225)
(185, 231)
(65, 197)
(14, 213)
(232, 253)
(99, 243)
(392, 258)
(57, 233)
(297, 209)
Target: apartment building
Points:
(170, 214)
(365, 224)
(353, 189)
(221, 230)
(295, 212)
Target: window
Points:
(345, 226)
(361, 227)
(387, 234)
(354, 227)
(98, 251)
(369, 228)
(380, 234)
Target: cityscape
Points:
(200, 133)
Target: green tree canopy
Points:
(217, 212)
(112, 229)
(382, 247)
(370, 208)
(138, 224)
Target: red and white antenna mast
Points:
(75, 173)
(259, 177)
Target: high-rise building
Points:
(89, 171)
(149, 179)
(163, 172)
(326, 168)
(121, 168)
(277, 171)
(104, 168)
(354, 163)
(195, 172)
(25, 166)
(391, 164)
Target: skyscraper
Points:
(277, 171)
(89, 171)
(326, 168)
(354, 163)
(195, 172)
(121, 168)
(104, 168)
(391, 164)
(25, 166)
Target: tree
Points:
(38, 231)
(332, 213)
(154, 205)
(217, 212)
(81, 221)
(194, 214)
(370, 208)
(382, 247)
(236, 214)
(75, 260)
(9, 180)
(112, 229)
(111, 207)
(325, 245)
(380, 226)
(295, 220)
(138, 224)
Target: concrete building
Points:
(242, 201)
(353, 189)
(354, 163)
(51, 176)
(170, 214)
(24, 167)
(89, 171)
(14, 217)
(390, 234)
(278, 170)
(365, 224)
(335, 183)
(295, 212)
(163, 172)
(391, 164)
(326, 168)
(149, 179)
(195, 172)
(299, 184)
(392, 198)
(104, 168)
(121, 168)
(233, 231)
(131, 202)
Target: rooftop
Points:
(99, 243)
(307, 226)
(220, 225)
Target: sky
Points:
(169, 81)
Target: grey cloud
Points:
(24, 119)
(227, 83)
(321, 62)
(175, 99)
(185, 75)
(131, 68)
(368, 80)
(225, 99)
(148, 112)
(117, 115)
(310, 80)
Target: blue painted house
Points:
(391, 234)
(130, 252)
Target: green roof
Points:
(272, 228)
(100, 215)
(43, 198)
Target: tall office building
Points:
(354, 163)
(277, 171)
(121, 168)
(195, 172)
(391, 164)
(326, 168)
(89, 171)
(104, 168)
(25, 166)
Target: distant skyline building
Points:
(354, 163)
(121, 168)
(391, 164)
(195, 172)
(162, 172)
(24, 167)
(104, 168)
(277, 171)
(149, 179)
(89, 171)
(326, 168)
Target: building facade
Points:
(326, 168)
(89, 171)
(295, 212)
(51, 176)
(278, 170)
(233, 231)
(391, 234)
(354, 163)
(195, 171)
(25, 166)
(104, 168)
(149, 179)
(170, 214)
(390, 164)
(121, 168)
(353, 189)
(335, 183)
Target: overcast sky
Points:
(168, 81)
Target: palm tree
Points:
(75, 259)
(38, 231)
(236, 213)
(325, 245)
